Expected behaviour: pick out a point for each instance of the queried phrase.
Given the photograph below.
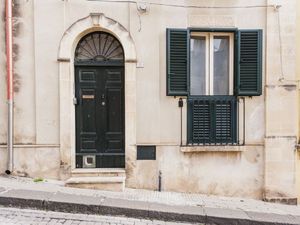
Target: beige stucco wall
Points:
(281, 103)
(33, 157)
(257, 170)
(298, 78)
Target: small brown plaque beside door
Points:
(88, 96)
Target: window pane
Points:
(221, 65)
(198, 80)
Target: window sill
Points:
(213, 148)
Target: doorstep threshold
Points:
(94, 180)
(98, 170)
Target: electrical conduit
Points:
(10, 93)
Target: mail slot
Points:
(89, 161)
(88, 96)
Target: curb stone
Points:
(70, 203)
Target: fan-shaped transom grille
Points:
(98, 46)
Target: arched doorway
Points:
(99, 102)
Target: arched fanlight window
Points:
(99, 47)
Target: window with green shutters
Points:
(213, 68)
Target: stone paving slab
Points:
(200, 209)
(75, 199)
(226, 213)
(2, 189)
(27, 194)
(273, 218)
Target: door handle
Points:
(75, 101)
(103, 100)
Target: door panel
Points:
(100, 115)
(114, 140)
(114, 106)
(88, 110)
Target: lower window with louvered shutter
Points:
(212, 120)
(213, 68)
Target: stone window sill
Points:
(212, 148)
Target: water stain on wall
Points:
(212, 188)
(16, 8)
(17, 27)
(17, 82)
(275, 193)
(17, 18)
(252, 156)
(3, 14)
(15, 52)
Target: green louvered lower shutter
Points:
(177, 66)
(199, 120)
(249, 63)
(225, 120)
(212, 120)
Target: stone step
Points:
(108, 183)
(98, 172)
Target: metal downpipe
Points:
(9, 74)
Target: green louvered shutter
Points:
(212, 120)
(199, 120)
(177, 66)
(249, 63)
(225, 120)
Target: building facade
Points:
(188, 96)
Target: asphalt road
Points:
(15, 216)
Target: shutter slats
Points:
(201, 121)
(249, 63)
(212, 120)
(223, 121)
(177, 55)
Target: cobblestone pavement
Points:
(14, 216)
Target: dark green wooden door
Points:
(100, 115)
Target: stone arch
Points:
(95, 22)
(66, 51)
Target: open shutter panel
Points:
(249, 63)
(177, 66)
